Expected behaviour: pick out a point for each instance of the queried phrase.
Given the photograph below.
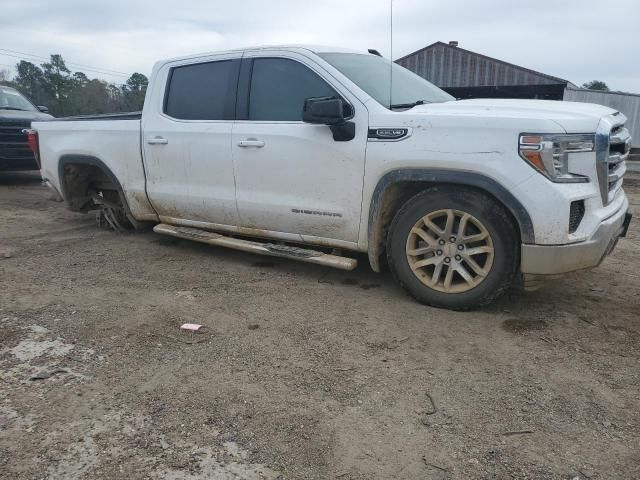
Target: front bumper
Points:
(558, 259)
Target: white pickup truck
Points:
(307, 153)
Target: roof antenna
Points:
(390, 52)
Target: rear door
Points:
(186, 136)
(293, 177)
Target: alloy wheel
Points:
(450, 251)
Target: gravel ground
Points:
(302, 372)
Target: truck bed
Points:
(111, 141)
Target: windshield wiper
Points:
(408, 105)
(13, 108)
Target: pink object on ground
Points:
(193, 327)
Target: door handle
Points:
(157, 141)
(251, 142)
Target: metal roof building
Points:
(466, 74)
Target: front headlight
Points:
(549, 154)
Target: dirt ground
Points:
(303, 372)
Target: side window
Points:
(203, 91)
(279, 88)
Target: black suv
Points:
(16, 114)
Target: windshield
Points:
(12, 100)
(372, 74)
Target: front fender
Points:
(438, 177)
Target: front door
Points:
(293, 177)
(186, 141)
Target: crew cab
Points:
(16, 115)
(315, 152)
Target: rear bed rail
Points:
(103, 116)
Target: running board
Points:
(270, 249)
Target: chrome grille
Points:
(13, 142)
(619, 148)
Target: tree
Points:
(52, 84)
(80, 79)
(59, 84)
(94, 97)
(134, 91)
(116, 98)
(5, 78)
(137, 82)
(596, 85)
(30, 81)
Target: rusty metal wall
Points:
(627, 103)
(447, 66)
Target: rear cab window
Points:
(202, 91)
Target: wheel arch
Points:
(397, 186)
(69, 191)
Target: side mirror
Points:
(323, 111)
(329, 111)
(43, 109)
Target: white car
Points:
(306, 153)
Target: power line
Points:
(120, 85)
(87, 69)
(90, 69)
(70, 63)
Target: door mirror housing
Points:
(43, 109)
(330, 111)
(323, 111)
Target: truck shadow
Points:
(520, 307)
(20, 178)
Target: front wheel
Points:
(453, 248)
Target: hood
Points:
(573, 117)
(23, 115)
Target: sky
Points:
(575, 40)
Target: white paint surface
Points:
(201, 178)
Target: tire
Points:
(483, 257)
